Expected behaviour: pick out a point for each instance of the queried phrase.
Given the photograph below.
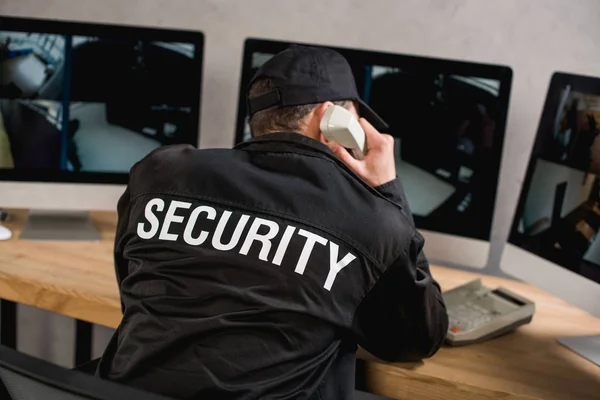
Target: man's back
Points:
(243, 274)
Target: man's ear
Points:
(322, 108)
(319, 112)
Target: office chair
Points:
(23, 377)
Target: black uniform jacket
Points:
(254, 272)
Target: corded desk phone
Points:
(478, 313)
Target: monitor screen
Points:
(558, 215)
(448, 120)
(84, 102)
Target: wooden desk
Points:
(77, 280)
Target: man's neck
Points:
(302, 133)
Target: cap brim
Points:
(367, 113)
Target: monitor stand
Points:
(59, 225)
(586, 346)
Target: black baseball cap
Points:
(308, 75)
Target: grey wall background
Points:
(534, 37)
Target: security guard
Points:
(254, 272)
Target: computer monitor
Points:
(553, 243)
(81, 103)
(448, 119)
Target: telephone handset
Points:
(340, 126)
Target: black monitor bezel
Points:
(578, 83)
(110, 31)
(502, 73)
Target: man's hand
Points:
(378, 165)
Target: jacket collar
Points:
(291, 138)
(286, 141)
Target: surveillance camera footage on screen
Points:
(448, 125)
(559, 213)
(87, 104)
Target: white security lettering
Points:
(211, 214)
(265, 238)
(334, 265)
(235, 238)
(152, 224)
(152, 219)
(283, 245)
(311, 239)
(170, 218)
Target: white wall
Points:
(534, 37)
(545, 178)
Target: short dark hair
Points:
(280, 119)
